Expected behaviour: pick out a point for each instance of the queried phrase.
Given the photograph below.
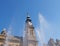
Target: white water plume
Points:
(8, 34)
(25, 36)
(43, 25)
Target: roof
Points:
(11, 38)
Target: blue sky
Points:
(13, 13)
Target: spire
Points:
(28, 18)
(28, 15)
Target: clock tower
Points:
(30, 37)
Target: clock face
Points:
(30, 23)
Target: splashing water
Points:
(43, 25)
(25, 37)
(8, 36)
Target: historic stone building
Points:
(51, 42)
(28, 40)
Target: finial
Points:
(28, 18)
(28, 15)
